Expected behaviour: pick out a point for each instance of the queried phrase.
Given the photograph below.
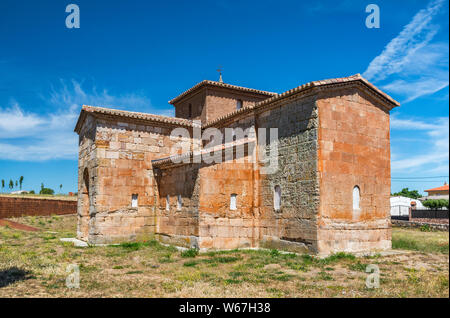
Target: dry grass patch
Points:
(33, 264)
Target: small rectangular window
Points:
(277, 198)
(233, 199)
(238, 104)
(179, 202)
(167, 203)
(134, 201)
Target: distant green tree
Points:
(17, 184)
(32, 192)
(47, 191)
(3, 184)
(21, 182)
(60, 188)
(11, 184)
(413, 194)
(436, 204)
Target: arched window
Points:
(179, 202)
(277, 197)
(356, 198)
(238, 104)
(167, 203)
(233, 199)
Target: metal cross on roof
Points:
(220, 74)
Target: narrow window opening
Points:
(190, 110)
(167, 203)
(238, 104)
(356, 198)
(179, 202)
(233, 199)
(277, 198)
(134, 201)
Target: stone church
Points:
(329, 190)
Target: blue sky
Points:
(136, 55)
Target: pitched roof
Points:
(442, 188)
(127, 114)
(305, 87)
(219, 84)
(273, 97)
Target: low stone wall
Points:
(433, 226)
(16, 207)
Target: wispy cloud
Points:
(73, 94)
(411, 64)
(31, 136)
(426, 157)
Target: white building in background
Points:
(20, 192)
(400, 205)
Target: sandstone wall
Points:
(197, 102)
(354, 150)
(220, 102)
(87, 178)
(179, 225)
(222, 227)
(121, 169)
(293, 226)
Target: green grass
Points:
(192, 252)
(418, 240)
(151, 269)
(190, 263)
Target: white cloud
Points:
(414, 36)
(29, 136)
(411, 63)
(428, 157)
(15, 123)
(33, 137)
(74, 95)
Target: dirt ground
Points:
(37, 264)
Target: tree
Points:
(17, 184)
(11, 184)
(47, 191)
(3, 184)
(413, 194)
(21, 182)
(60, 188)
(436, 204)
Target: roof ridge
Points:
(130, 114)
(304, 87)
(219, 84)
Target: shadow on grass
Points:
(11, 275)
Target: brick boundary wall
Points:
(434, 226)
(15, 207)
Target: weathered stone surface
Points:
(329, 141)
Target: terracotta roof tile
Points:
(219, 84)
(304, 87)
(137, 115)
(442, 188)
